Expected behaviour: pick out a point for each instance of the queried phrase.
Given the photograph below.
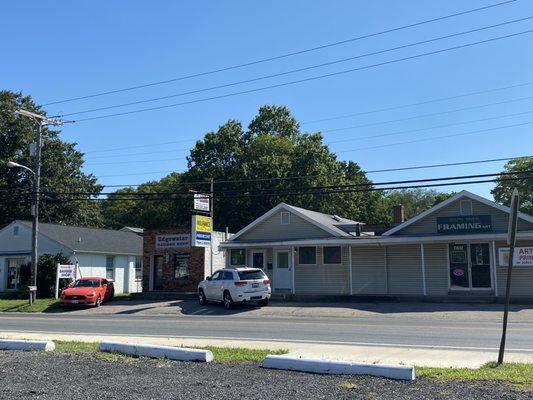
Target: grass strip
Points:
(223, 354)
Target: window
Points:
(466, 207)
(110, 267)
(285, 218)
(253, 274)
(138, 268)
(307, 255)
(332, 255)
(237, 257)
(216, 276)
(258, 259)
(227, 275)
(15, 231)
(181, 265)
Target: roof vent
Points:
(336, 217)
(79, 239)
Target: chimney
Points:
(398, 214)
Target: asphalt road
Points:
(378, 330)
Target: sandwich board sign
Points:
(202, 226)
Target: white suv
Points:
(235, 285)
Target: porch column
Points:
(494, 270)
(424, 291)
(350, 268)
(293, 267)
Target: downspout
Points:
(494, 270)
(424, 291)
(350, 268)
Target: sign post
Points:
(511, 240)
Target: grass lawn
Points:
(225, 354)
(517, 374)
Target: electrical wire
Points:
(278, 57)
(309, 79)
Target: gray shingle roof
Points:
(335, 224)
(92, 239)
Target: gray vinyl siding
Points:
(272, 229)
(428, 225)
(436, 262)
(404, 270)
(522, 278)
(320, 278)
(369, 271)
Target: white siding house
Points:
(99, 252)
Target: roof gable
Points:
(315, 219)
(463, 194)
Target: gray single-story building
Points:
(453, 250)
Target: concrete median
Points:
(402, 372)
(27, 345)
(157, 351)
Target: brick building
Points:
(173, 265)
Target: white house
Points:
(112, 254)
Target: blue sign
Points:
(464, 224)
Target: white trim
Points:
(288, 218)
(350, 268)
(316, 257)
(423, 259)
(264, 252)
(331, 264)
(245, 258)
(381, 240)
(463, 193)
(290, 209)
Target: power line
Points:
(344, 151)
(336, 117)
(374, 124)
(256, 79)
(294, 53)
(337, 73)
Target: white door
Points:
(282, 270)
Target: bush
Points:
(46, 276)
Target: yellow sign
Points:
(203, 224)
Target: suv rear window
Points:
(253, 274)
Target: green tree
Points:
(415, 201)
(518, 167)
(46, 275)
(61, 170)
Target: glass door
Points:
(459, 277)
(13, 272)
(480, 265)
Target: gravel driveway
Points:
(60, 376)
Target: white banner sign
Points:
(201, 202)
(67, 271)
(523, 256)
(173, 241)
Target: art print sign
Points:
(523, 257)
(173, 241)
(464, 224)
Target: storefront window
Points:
(470, 266)
(237, 257)
(307, 255)
(332, 255)
(181, 265)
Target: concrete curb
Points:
(156, 351)
(27, 345)
(402, 372)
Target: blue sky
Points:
(55, 50)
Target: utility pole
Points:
(211, 212)
(42, 121)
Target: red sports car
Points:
(87, 292)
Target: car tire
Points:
(201, 297)
(111, 295)
(98, 301)
(228, 301)
(263, 303)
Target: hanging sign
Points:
(523, 256)
(202, 227)
(173, 241)
(201, 202)
(464, 224)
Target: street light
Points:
(12, 164)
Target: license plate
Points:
(74, 301)
(254, 285)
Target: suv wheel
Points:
(263, 303)
(201, 298)
(228, 301)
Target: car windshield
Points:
(87, 283)
(252, 274)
